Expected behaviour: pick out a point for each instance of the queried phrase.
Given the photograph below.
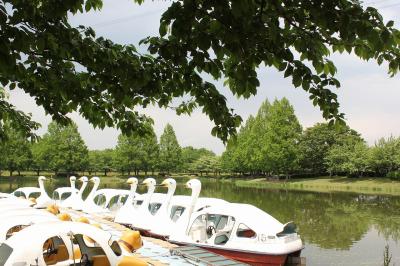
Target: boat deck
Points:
(159, 252)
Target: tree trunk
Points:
(11, 172)
(37, 172)
(19, 172)
(105, 172)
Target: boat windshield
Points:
(212, 228)
(5, 252)
(176, 212)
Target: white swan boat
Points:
(124, 213)
(75, 201)
(15, 223)
(241, 232)
(27, 192)
(111, 200)
(89, 206)
(52, 243)
(62, 193)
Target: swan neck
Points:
(80, 193)
(146, 202)
(131, 196)
(167, 202)
(94, 189)
(42, 189)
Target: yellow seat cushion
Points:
(132, 261)
(62, 253)
(100, 260)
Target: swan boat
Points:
(75, 201)
(15, 223)
(241, 232)
(173, 212)
(52, 243)
(62, 193)
(111, 199)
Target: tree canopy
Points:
(16, 152)
(68, 68)
(170, 151)
(61, 148)
(267, 142)
(136, 152)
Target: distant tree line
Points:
(272, 143)
(63, 151)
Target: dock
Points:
(158, 252)
(205, 257)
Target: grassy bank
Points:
(376, 186)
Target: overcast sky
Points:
(368, 97)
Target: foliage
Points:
(206, 163)
(41, 152)
(68, 69)
(316, 141)
(136, 152)
(190, 155)
(266, 143)
(170, 151)
(101, 160)
(386, 155)
(350, 157)
(15, 152)
(64, 148)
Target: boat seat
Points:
(100, 260)
(221, 239)
(60, 255)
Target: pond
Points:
(337, 228)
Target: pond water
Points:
(337, 228)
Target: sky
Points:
(368, 96)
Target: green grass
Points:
(376, 186)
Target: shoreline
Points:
(370, 186)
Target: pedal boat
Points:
(241, 232)
(52, 243)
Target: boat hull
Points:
(251, 258)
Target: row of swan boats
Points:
(238, 231)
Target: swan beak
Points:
(130, 182)
(164, 183)
(92, 180)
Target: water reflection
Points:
(333, 225)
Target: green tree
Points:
(279, 141)
(170, 151)
(137, 152)
(68, 69)
(207, 163)
(65, 148)
(351, 157)
(385, 155)
(315, 143)
(100, 160)
(190, 154)
(41, 155)
(267, 143)
(15, 151)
